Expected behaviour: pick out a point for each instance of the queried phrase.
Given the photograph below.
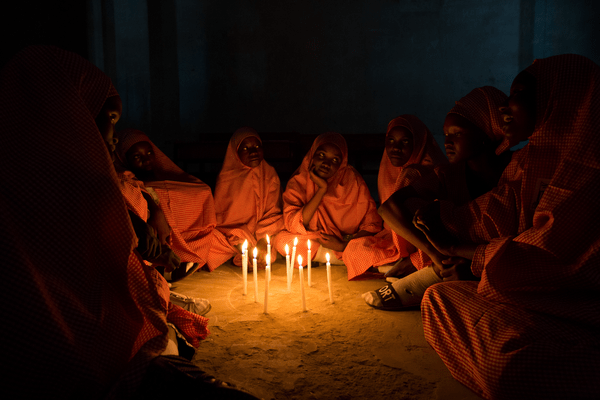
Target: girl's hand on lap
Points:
(158, 221)
(427, 220)
(456, 269)
(332, 242)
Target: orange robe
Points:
(247, 200)
(187, 203)
(79, 303)
(192, 326)
(346, 208)
(529, 329)
(425, 156)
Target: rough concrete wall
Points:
(312, 66)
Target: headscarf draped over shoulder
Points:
(346, 208)
(164, 168)
(481, 107)
(426, 152)
(247, 200)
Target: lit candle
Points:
(293, 258)
(302, 283)
(267, 275)
(269, 254)
(255, 272)
(245, 266)
(309, 262)
(329, 278)
(287, 267)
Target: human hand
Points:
(456, 269)
(320, 182)
(427, 220)
(332, 242)
(158, 221)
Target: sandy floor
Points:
(345, 350)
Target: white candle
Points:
(309, 263)
(245, 266)
(255, 272)
(269, 259)
(287, 267)
(302, 283)
(329, 278)
(293, 258)
(267, 275)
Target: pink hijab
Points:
(346, 208)
(165, 169)
(247, 200)
(426, 152)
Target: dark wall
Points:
(188, 68)
(27, 22)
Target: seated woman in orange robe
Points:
(91, 317)
(248, 197)
(185, 200)
(328, 202)
(408, 143)
(473, 136)
(529, 328)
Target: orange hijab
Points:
(247, 200)
(164, 168)
(346, 208)
(426, 152)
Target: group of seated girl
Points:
(498, 248)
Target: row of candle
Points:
(289, 269)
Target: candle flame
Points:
(308, 243)
(255, 252)
(327, 256)
(287, 250)
(295, 241)
(268, 239)
(245, 246)
(299, 261)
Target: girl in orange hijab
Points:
(186, 201)
(408, 142)
(327, 201)
(248, 197)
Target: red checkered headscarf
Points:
(164, 168)
(481, 107)
(426, 152)
(70, 314)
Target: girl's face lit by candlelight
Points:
(326, 160)
(250, 152)
(463, 139)
(399, 145)
(140, 159)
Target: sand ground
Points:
(345, 350)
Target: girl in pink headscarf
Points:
(248, 197)
(186, 201)
(408, 142)
(327, 201)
